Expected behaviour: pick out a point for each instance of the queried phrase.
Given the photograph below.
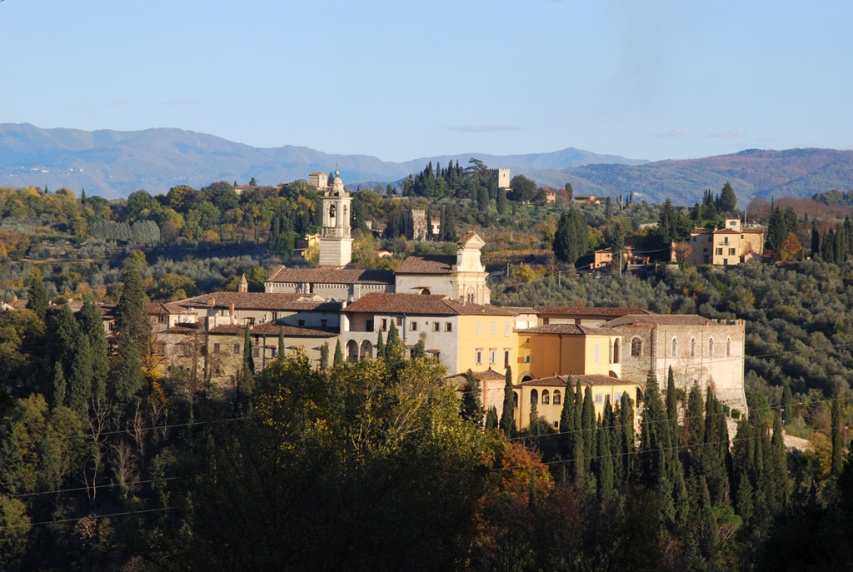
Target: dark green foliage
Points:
(472, 407)
(571, 240)
(837, 431)
(727, 203)
(60, 386)
(339, 355)
(37, 298)
(492, 418)
(508, 413)
(324, 356)
(672, 408)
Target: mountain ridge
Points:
(115, 163)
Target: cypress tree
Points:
(815, 240)
(324, 356)
(694, 422)
(507, 415)
(394, 349)
(744, 454)
(59, 386)
(419, 350)
(492, 418)
(380, 345)
(91, 322)
(715, 449)
(654, 442)
(37, 298)
(588, 425)
(132, 330)
(787, 404)
(81, 376)
(708, 529)
(248, 359)
(672, 408)
(579, 459)
(472, 408)
(604, 462)
(626, 418)
(339, 355)
(780, 465)
(280, 349)
(533, 422)
(837, 432)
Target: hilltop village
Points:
(440, 306)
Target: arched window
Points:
(616, 351)
(546, 397)
(425, 291)
(692, 347)
(515, 400)
(557, 397)
(674, 349)
(711, 347)
(728, 347)
(332, 210)
(366, 349)
(469, 296)
(636, 347)
(352, 351)
(534, 397)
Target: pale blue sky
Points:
(405, 79)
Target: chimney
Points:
(244, 284)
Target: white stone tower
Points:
(336, 236)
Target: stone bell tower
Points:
(336, 236)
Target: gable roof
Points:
(560, 381)
(658, 320)
(421, 305)
(567, 330)
(259, 301)
(430, 264)
(332, 275)
(588, 311)
(272, 329)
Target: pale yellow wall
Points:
(551, 412)
(486, 333)
(555, 354)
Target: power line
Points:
(81, 489)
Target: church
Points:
(460, 277)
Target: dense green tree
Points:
(672, 408)
(60, 386)
(324, 356)
(472, 408)
(37, 298)
(837, 430)
(339, 354)
(132, 331)
(492, 418)
(728, 200)
(508, 413)
(80, 380)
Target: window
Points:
(493, 354)
(324, 322)
(557, 397)
(546, 397)
(399, 321)
(711, 347)
(732, 251)
(726, 240)
(274, 351)
(719, 251)
(384, 324)
(236, 348)
(216, 348)
(413, 326)
(479, 354)
(636, 347)
(674, 349)
(493, 328)
(256, 351)
(448, 327)
(250, 322)
(616, 351)
(301, 323)
(692, 347)
(728, 347)
(436, 326)
(506, 357)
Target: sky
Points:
(399, 80)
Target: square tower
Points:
(336, 236)
(504, 177)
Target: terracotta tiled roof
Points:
(163, 308)
(422, 304)
(433, 264)
(659, 320)
(333, 275)
(488, 375)
(259, 301)
(588, 311)
(433, 305)
(272, 329)
(560, 381)
(727, 231)
(567, 330)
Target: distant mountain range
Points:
(116, 163)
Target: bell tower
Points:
(336, 236)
